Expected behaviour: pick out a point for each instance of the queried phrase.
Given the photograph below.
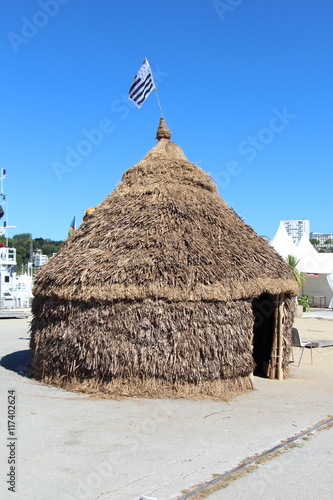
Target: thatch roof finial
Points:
(163, 132)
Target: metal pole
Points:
(1, 194)
(155, 88)
(158, 102)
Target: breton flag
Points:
(72, 227)
(142, 85)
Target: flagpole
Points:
(158, 100)
(155, 88)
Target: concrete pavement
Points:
(304, 471)
(317, 312)
(75, 447)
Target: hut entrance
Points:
(264, 309)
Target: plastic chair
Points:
(297, 342)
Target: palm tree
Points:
(298, 275)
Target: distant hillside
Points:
(25, 246)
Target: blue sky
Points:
(245, 87)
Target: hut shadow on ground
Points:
(18, 362)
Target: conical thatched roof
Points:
(164, 232)
(156, 287)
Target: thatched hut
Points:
(163, 290)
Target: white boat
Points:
(15, 290)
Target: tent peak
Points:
(163, 132)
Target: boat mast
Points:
(2, 202)
(3, 230)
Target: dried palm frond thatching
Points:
(156, 285)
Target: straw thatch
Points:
(156, 286)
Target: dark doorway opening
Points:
(263, 332)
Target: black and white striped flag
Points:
(142, 85)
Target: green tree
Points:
(22, 237)
(326, 250)
(23, 243)
(315, 242)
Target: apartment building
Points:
(295, 228)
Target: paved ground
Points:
(304, 472)
(319, 313)
(73, 447)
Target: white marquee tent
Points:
(318, 267)
(283, 243)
